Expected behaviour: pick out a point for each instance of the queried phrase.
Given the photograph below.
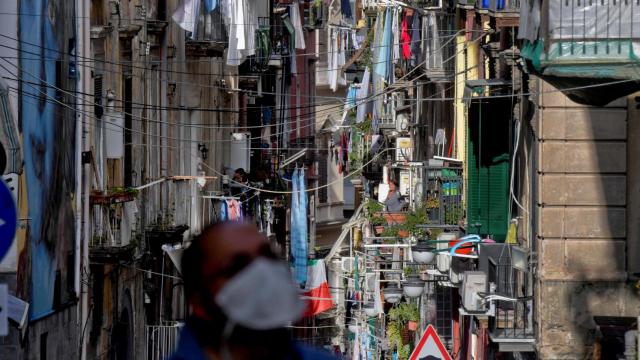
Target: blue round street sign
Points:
(8, 219)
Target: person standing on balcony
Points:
(241, 298)
(393, 201)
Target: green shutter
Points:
(488, 167)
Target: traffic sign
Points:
(8, 219)
(430, 347)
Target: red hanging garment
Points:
(405, 37)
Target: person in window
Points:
(240, 180)
(393, 201)
(241, 297)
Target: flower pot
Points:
(412, 325)
(395, 218)
(378, 230)
(406, 335)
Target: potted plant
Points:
(406, 316)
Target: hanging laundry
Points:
(404, 36)
(241, 23)
(416, 43)
(345, 9)
(234, 211)
(298, 229)
(395, 28)
(210, 5)
(361, 95)
(186, 16)
(224, 211)
(350, 104)
(280, 225)
(384, 55)
(294, 12)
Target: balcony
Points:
(585, 43)
(114, 215)
(440, 66)
(210, 36)
(511, 322)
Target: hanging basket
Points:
(412, 325)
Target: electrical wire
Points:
(313, 119)
(196, 156)
(84, 61)
(91, 103)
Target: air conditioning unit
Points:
(473, 283)
(348, 264)
(443, 261)
(240, 152)
(114, 134)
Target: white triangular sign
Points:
(430, 347)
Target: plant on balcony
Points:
(398, 333)
(433, 203)
(453, 214)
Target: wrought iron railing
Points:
(161, 341)
(210, 28)
(439, 44)
(595, 28)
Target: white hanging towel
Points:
(297, 24)
(186, 16)
(362, 94)
(241, 23)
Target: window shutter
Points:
(98, 109)
(323, 193)
(488, 168)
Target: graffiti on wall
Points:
(48, 130)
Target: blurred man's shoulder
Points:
(311, 353)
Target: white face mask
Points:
(262, 296)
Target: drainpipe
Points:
(83, 183)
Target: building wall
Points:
(582, 227)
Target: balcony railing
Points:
(161, 341)
(592, 30)
(440, 64)
(210, 34)
(584, 43)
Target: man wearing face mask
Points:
(241, 298)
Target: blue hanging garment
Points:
(210, 5)
(298, 231)
(224, 211)
(345, 8)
